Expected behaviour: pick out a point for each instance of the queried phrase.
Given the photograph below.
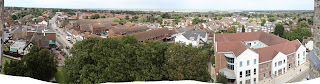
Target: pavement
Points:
(292, 75)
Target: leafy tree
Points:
(127, 18)
(159, 20)
(263, 21)
(134, 19)
(37, 64)
(272, 19)
(98, 60)
(86, 17)
(103, 16)
(250, 21)
(243, 29)
(165, 15)
(290, 22)
(221, 78)
(181, 62)
(279, 29)
(142, 19)
(96, 16)
(119, 20)
(303, 24)
(13, 17)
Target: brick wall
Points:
(220, 62)
(265, 70)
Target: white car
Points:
(68, 38)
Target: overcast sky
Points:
(169, 4)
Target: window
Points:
(261, 67)
(240, 82)
(275, 73)
(280, 71)
(279, 63)
(254, 80)
(288, 58)
(248, 62)
(264, 75)
(248, 81)
(298, 56)
(269, 73)
(284, 69)
(254, 71)
(267, 66)
(289, 65)
(230, 60)
(275, 64)
(293, 56)
(247, 73)
(240, 74)
(231, 67)
(284, 61)
(255, 61)
(240, 63)
(304, 53)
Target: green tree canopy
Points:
(38, 64)
(98, 60)
(96, 16)
(263, 21)
(303, 24)
(279, 29)
(243, 29)
(103, 16)
(272, 19)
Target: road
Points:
(61, 36)
(299, 78)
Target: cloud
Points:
(170, 4)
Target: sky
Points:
(169, 4)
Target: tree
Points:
(243, 29)
(165, 15)
(86, 17)
(185, 62)
(119, 20)
(263, 22)
(272, 19)
(142, 19)
(103, 16)
(134, 19)
(127, 18)
(250, 21)
(96, 16)
(98, 60)
(159, 20)
(279, 29)
(303, 24)
(13, 17)
(221, 78)
(37, 64)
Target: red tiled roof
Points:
(268, 53)
(266, 38)
(236, 47)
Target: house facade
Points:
(247, 58)
(192, 37)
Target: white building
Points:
(192, 37)
(249, 58)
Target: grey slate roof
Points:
(194, 34)
(313, 58)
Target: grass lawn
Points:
(60, 76)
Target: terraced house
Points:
(247, 58)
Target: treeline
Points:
(98, 60)
(35, 13)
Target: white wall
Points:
(279, 57)
(247, 55)
(309, 45)
(182, 39)
(302, 55)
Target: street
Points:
(61, 40)
(299, 78)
